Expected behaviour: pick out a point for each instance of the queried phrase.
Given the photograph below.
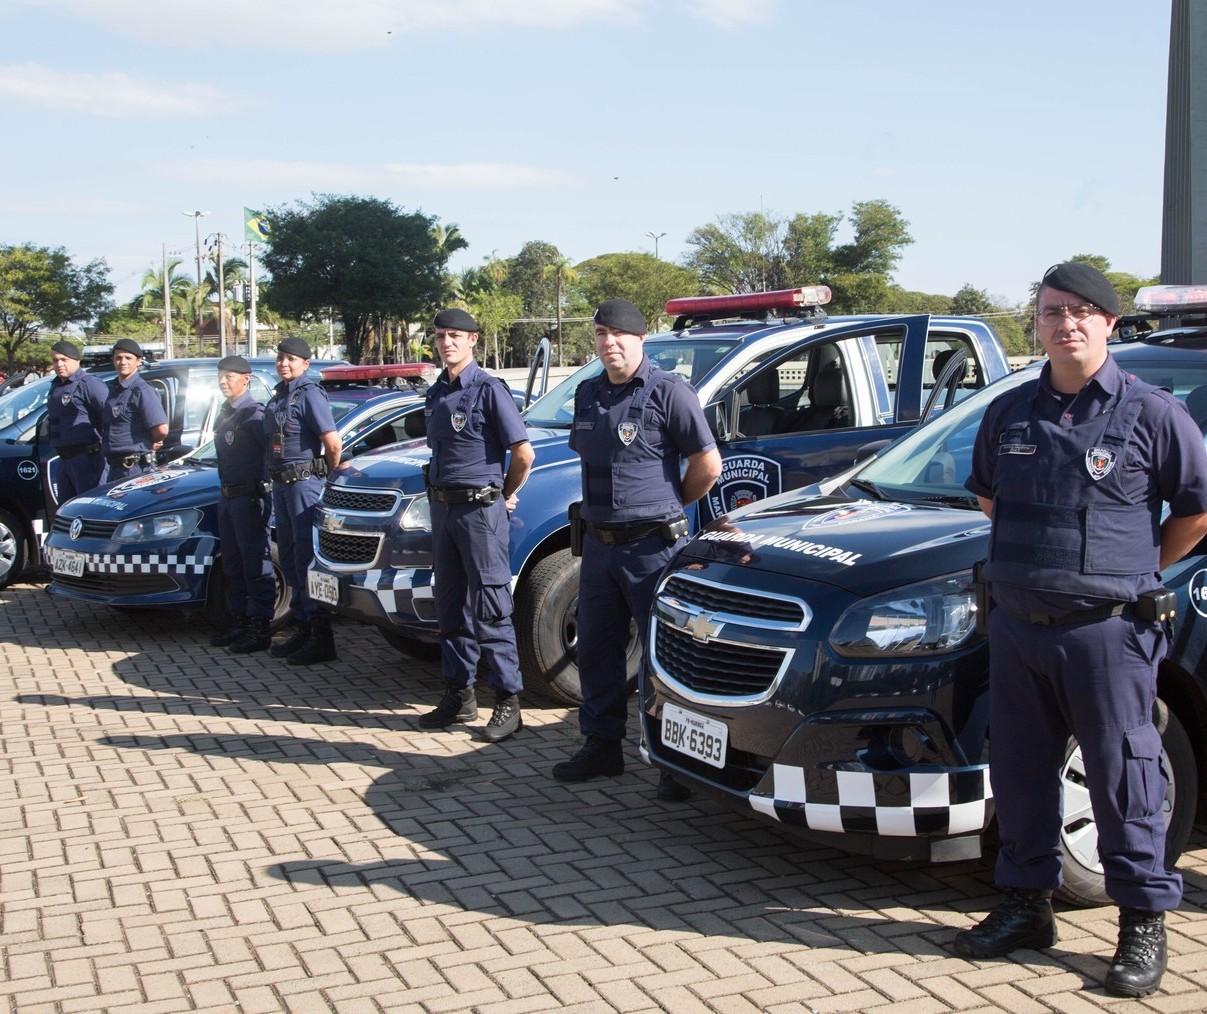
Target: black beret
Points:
(234, 364)
(621, 315)
(65, 348)
(456, 320)
(1084, 281)
(294, 347)
(127, 345)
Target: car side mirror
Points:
(871, 450)
(722, 417)
(415, 424)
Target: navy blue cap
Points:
(621, 315)
(294, 347)
(1084, 281)
(456, 319)
(127, 345)
(234, 364)
(65, 348)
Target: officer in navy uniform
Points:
(244, 510)
(1073, 469)
(135, 423)
(303, 447)
(472, 424)
(75, 414)
(633, 427)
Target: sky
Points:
(1009, 135)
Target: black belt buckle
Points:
(1157, 606)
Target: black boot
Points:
(1023, 918)
(598, 757)
(237, 628)
(459, 704)
(505, 720)
(291, 644)
(1139, 960)
(319, 646)
(255, 637)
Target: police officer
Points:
(472, 424)
(244, 509)
(135, 423)
(1073, 469)
(634, 425)
(75, 413)
(303, 446)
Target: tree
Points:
(527, 278)
(643, 279)
(881, 234)
(42, 290)
(563, 274)
(364, 259)
(740, 253)
(128, 321)
(151, 303)
(973, 302)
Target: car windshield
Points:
(692, 360)
(932, 462)
(17, 402)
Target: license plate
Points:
(322, 587)
(695, 735)
(67, 562)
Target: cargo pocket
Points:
(1141, 749)
(494, 603)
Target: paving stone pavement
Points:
(186, 830)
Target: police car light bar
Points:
(749, 302)
(1172, 298)
(387, 371)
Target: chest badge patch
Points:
(627, 431)
(65, 399)
(1098, 462)
(230, 437)
(459, 421)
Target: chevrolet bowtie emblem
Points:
(702, 628)
(332, 522)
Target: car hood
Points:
(176, 487)
(861, 546)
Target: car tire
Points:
(13, 548)
(411, 646)
(546, 621)
(1084, 884)
(217, 598)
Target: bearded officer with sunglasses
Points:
(1073, 469)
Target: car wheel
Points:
(12, 548)
(1084, 883)
(218, 599)
(411, 646)
(546, 620)
(280, 603)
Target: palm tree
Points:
(561, 270)
(151, 300)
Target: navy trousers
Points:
(293, 510)
(246, 556)
(1096, 681)
(616, 586)
(79, 474)
(471, 563)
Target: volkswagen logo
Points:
(76, 529)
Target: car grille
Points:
(117, 585)
(92, 529)
(341, 548)
(729, 600)
(367, 501)
(716, 667)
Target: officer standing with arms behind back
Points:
(303, 447)
(633, 426)
(75, 414)
(1073, 469)
(135, 422)
(244, 510)
(472, 423)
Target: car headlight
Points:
(928, 618)
(154, 527)
(418, 515)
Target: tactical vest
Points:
(457, 434)
(289, 441)
(125, 430)
(1062, 521)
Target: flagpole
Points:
(251, 306)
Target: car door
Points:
(804, 413)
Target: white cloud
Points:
(731, 13)
(345, 26)
(335, 176)
(87, 207)
(111, 94)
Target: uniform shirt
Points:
(471, 422)
(131, 411)
(75, 410)
(240, 442)
(295, 419)
(672, 427)
(1165, 462)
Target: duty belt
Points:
(258, 490)
(66, 453)
(291, 473)
(486, 495)
(131, 459)
(1078, 616)
(626, 533)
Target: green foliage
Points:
(642, 279)
(42, 290)
(365, 259)
(129, 322)
(972, 301)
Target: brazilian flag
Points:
(255, 227)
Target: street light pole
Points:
(196, 216)
(655, 236)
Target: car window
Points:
(385, 427)
(939, 350)
(804, 391)
(18, 402)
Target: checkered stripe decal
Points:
(386, 585)
(903, 805)
(150, 563)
